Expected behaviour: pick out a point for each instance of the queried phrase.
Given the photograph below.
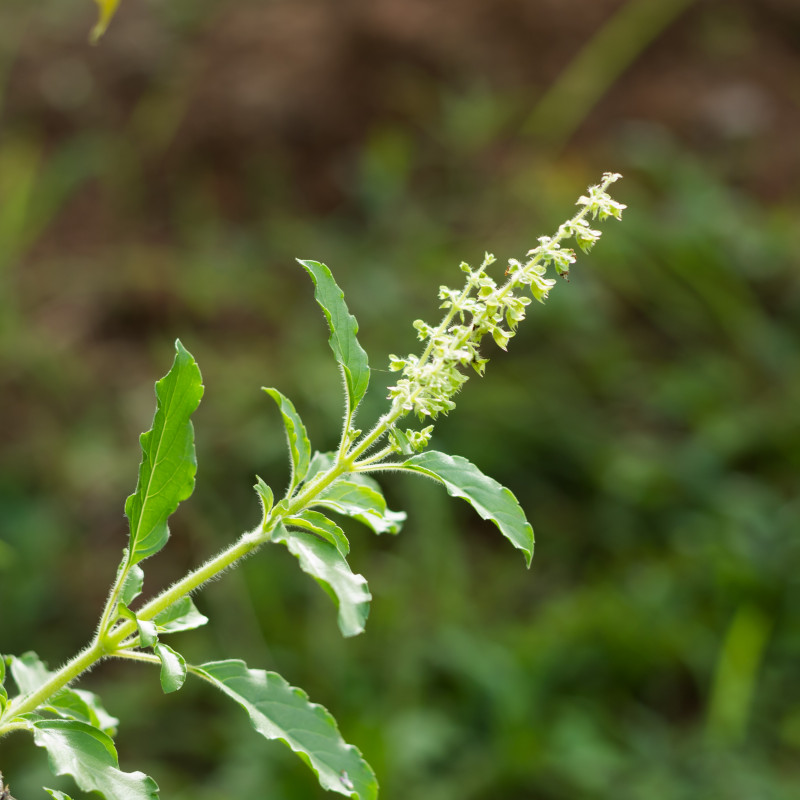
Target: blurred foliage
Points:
(646, 418)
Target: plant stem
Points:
(364, 464)
(244, 545)
(84, 660)
(113, 597)
(108, 642)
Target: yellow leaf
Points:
(107, 9)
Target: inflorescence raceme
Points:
(431, 379)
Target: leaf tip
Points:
(528, 557)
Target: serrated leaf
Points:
(299, 445)
(77, 749)
(348, 352)
(319, 524)
(167, 471)
(354, 497)
(173, 668)
(180, 616)
(280, 711)
(106, 11)
(328, 567)
(490, 499)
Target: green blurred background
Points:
(161, 184)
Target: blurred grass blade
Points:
(323, 561)
(280, 711)
(737, 674)
(597, 66)
(492, 501)
(88, 754)
(167, 471)
(299, 445)
(343, 325)
(106, 11)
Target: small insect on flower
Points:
(513, 264)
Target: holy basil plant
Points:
(72, 724)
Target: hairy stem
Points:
(83, 661)
(245, 544)
(115, 642)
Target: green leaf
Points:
(173, 668)
(365, 504)
(319, 524)
(30, 673)
(359, 497)
(106, 9)
(265, 496)
(84, 706)
(56, 794)
(280, 711)
(323, 561)
(299, 445)
(180, 616)
(343, 325)
(132, 585)
(320, 462)
(77, 749)
(3, 692)
(492, 501)
(166, 474)
(148, 633)
(400, 438)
